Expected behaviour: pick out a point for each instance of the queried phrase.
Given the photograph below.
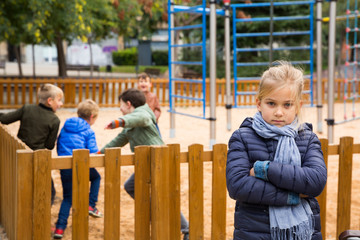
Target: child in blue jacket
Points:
(275, 166)
(77, 134)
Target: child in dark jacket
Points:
(77, 134)
(139, 128)
(275, 166)
(39, 124)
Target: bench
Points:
(2, 66)
(152, 71)
(77, 67)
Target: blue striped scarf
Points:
(290, 222)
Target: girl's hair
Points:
(87, 108)
(134, 96)
(281, 75)
(47, 91)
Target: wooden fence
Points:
(157, 177)
(15, 92)
(26, 177)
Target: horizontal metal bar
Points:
(187, 45)
(186, 63)
(247, 78)
(268, 4)
(274, 49)
(186, 27)
(196, 9)
(185, 97)
(265, 34)
(246, 64)
(266, 19)
(186, 80)
(348, 120)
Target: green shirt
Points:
(139, 129)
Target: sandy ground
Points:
(191, 130)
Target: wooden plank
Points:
(1, 94)
(24, 195)
(80, 92)
(174, 190)
(142, 192)
(42, 195)
(160, 229)
(95, 161)
(322, 198)
(112, 193)
(80, 194)
(219, 192)
(16, 93)
(344, 184)
(196, 192)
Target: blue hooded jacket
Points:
(76, 134)
(253, 196)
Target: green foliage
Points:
(160, 57)
(125, 57)
(139, 19)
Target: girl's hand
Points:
(252, 172)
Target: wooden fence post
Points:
(219, 192)
(24, 195)
(142, 192)
(160, 221)
(344, 184)
(80, 194)
(42, 195)
(112, 193)
(196, 192)
(322, 197)
(174, 190)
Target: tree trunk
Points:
(18, 58)
(91, 58)
(33, 59)
(61, 57)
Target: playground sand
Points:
(189, 130)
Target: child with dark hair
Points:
(144, 85)
(139, 128)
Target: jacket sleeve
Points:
(91, 142)
(137, 119)
(119, 141)
(10, 117)
(51, 138)
(309, 178)
(246, 188)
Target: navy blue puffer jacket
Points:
(253, 196)
(76, 134)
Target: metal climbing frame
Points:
(351, 65)
(271, 19)
(173, 79)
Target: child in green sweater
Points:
(139, 128)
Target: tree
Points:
(13, 28)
